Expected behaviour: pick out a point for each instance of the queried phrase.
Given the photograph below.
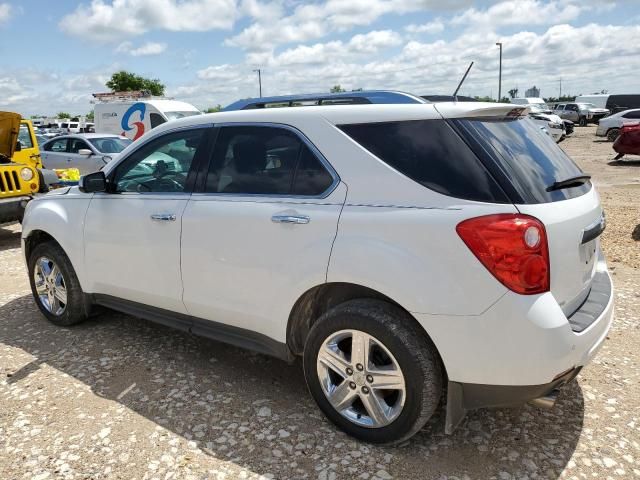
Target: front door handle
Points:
(164, 217)
(298, 219)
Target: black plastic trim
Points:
(462, 397)
(204, 328)
(593, 306)
(594, 231)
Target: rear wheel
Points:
(55, 286)
(612, 134)
(372, 371)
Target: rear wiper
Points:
(569, 182)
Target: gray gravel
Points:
(118, 397)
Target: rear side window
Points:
(431, 153)
(156, 120)
(633, 114)
(525, 156)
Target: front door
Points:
(132, 231)
(29, 153)
(84, 163)
(260, 233)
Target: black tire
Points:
(612, 134)
(582, 121)
(78, 305)
(413, 350)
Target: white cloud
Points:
(149, 48)
(315, 20)
(107, 21)
(5, 12)
(435, 26)
(519, 12)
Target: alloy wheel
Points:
(50, 286)
(361, 379)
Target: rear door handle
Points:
(298, 219)
(164, 217)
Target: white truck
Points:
(131, 114)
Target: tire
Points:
(612, 134)
(62, 313)
(582, 121)
(389, 330)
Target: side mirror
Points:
(85, 151)
(93, 182)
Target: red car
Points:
(628, 142)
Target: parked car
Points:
(610, 126)
(464, 251)
(620, 103)
(569, 126)
(580, 113)
(88, 152)
(628, 142)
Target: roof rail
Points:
(119, 96)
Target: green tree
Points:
(337, 89)
(486, 98)
(124, 81)
(90, 116)
(63, 115)
(215, 109)
(513, 93)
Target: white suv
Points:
(401, 250)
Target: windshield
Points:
(176, 115)
(526, 155)
(110, 144)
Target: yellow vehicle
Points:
(19, 181)
(29, 152)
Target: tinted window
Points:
(430, 153)
(634, 114)
(161, 165)
(57, 146)
(156, 120)
(311, 178)
(265, 160)
(527, 156)
(75, 145)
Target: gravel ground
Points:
(117, 397)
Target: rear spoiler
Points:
(481, 109)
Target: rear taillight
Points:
(512, 247)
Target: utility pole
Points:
(560, 89)
(500, 74)
(259, 80)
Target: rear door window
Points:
(524, 157)
(632, 114)
(431, 153)
(256, 160)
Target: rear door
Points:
(54, 153)
(260, 232)
(532, 169)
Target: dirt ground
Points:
(118, 397)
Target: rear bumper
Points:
(521, 348)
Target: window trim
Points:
(199, 190)
(193, 169)
(54, 140)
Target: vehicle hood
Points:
(9, 128)
(597, 110)
(548, 117)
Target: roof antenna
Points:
(455, 94)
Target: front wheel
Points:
(55, 286)
(582, 122)
(373, 371)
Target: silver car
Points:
(88, 152)
(610, 126)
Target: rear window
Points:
(431, 153)
(520, 153)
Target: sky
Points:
(54, 55)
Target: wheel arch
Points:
(319, 299)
